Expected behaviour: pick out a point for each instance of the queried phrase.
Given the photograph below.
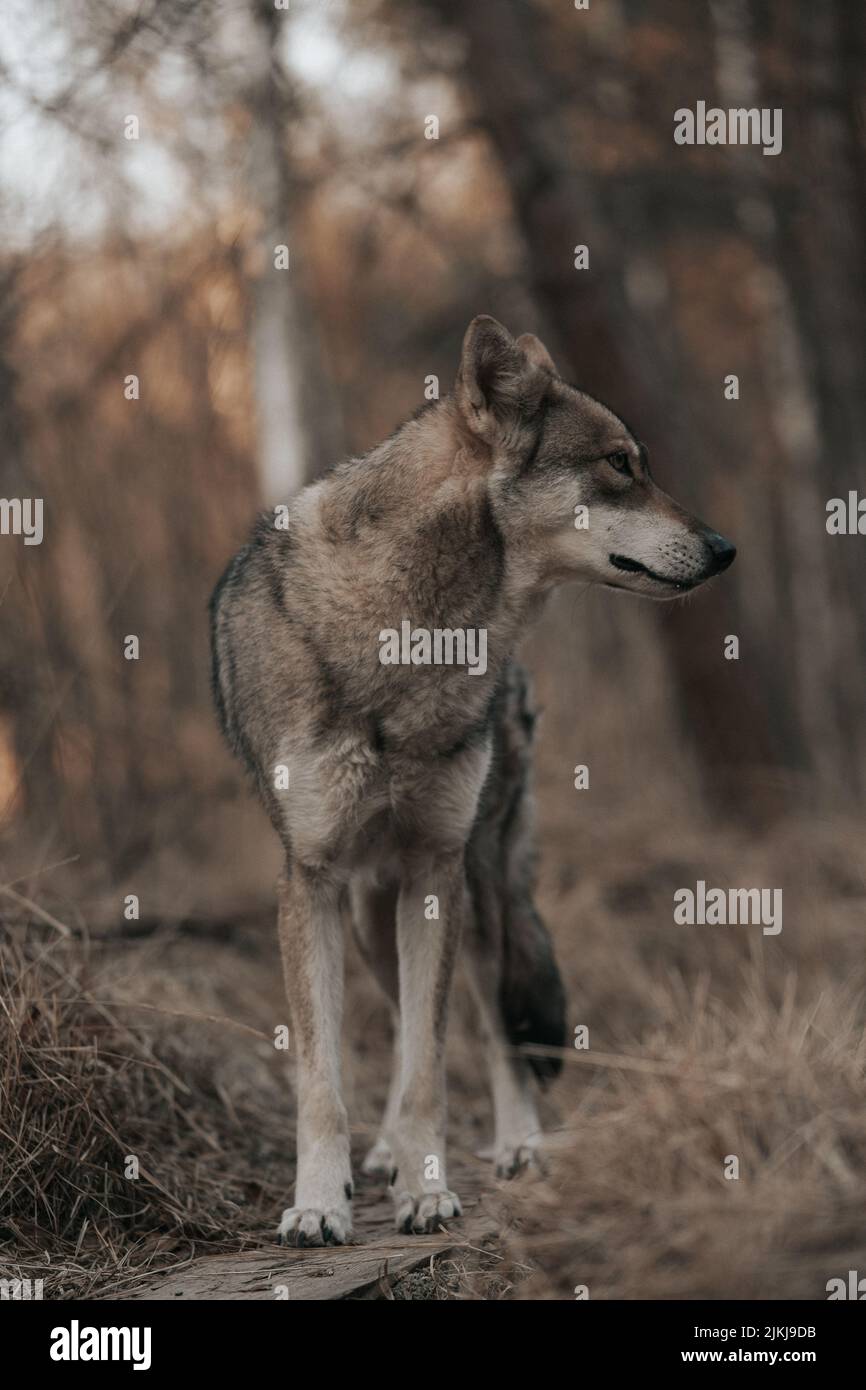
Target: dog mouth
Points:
(622, 562)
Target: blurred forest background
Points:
(306, 127)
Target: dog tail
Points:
(532, 997)
(502, 865)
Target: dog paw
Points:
(378, 1163)
(513, 1159)
(310, 1226)
(427, 1213)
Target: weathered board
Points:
(368, 1268)
(306, 1274)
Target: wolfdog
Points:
(401, 788)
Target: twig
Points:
(35, 908)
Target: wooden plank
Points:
(332, 1273)
(370, 1266)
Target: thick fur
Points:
(408, 785)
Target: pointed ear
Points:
(536, 352)
(497, 382)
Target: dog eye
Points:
(619, 461)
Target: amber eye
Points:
(618, 461)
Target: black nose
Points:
(721, 551)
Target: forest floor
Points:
(147, 1117)
(149, 1137)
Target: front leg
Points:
(427, 947)
(311, 938)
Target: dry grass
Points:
(637, 1204)
(84, 1085)
(705, 1042)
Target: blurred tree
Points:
(305, 128)
(583, 130)
(299, 425)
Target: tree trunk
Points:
(298, 421)
(614, 352)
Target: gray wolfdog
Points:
(364, 672)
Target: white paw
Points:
(379, 1162)
(423, 1214)
(311, 1226)
(512, 1159)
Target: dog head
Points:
(569, 484)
